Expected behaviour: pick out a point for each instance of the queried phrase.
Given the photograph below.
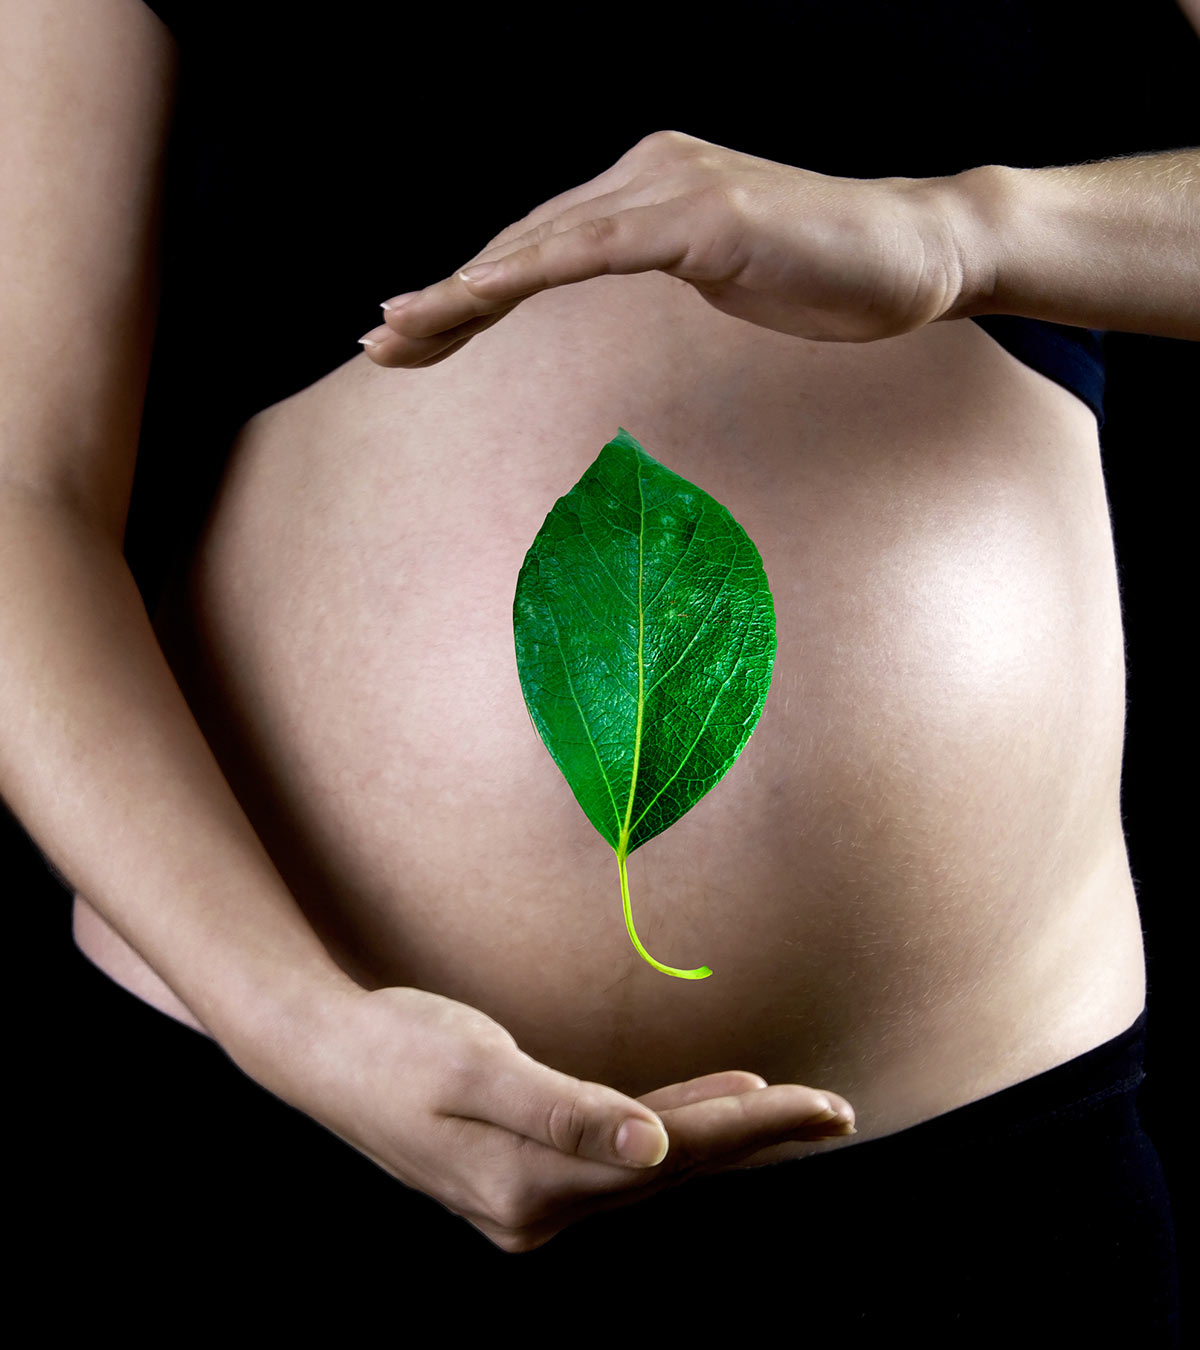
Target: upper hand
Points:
(439, 1095)
(819, 257)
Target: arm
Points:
(1112, 245)
(104, 764)
(99, 754)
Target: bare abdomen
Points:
(911, 887)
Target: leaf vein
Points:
(583, 719)
(699, 734)
(696, 635)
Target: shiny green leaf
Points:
(645, 638)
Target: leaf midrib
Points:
(623, 843)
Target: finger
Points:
(570, 1115)
(438, 311)
(706, 1136)
(559, 213)
(726, 1128)
(634, 239)
(566, 215)
(637, 239)
(731, 1082)
(386, 347)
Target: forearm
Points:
(101, 759)
(1113, 245)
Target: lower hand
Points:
(819, 257)
(439, 1095)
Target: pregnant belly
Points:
(911, 887)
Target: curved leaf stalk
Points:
(700, 973)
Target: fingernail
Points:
(477, 272)
(375, 336)
(834, 1116)
(641, 1143)
(837, 1129)
(835, 1125)
(397, 300)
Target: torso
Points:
(912, 886)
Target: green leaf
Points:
(645, 636)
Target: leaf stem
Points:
(700, 973)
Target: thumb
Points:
(571, 1115)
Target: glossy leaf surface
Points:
(645, 641)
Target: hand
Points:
(439, 1095)
(830, 259)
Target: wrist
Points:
(289, 1014)
(1108, 245)
(977, 204)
